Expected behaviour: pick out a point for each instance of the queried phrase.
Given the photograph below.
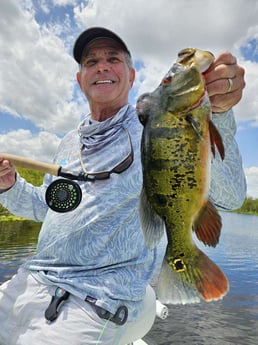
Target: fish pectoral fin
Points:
(191, 280)
(208, 225)
(216, 140)
(152, 225)
(189, 118)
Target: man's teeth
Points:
(104, 82)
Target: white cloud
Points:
(37, 73)
(160, 28)
(63, 2)
(41, 147)
(252, 181)
(247, 109)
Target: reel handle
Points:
(24, 162)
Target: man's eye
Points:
(88, 63)
(113, 59)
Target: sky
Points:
(40, 99)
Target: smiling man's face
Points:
(105, 77)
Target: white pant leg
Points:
(23, 302)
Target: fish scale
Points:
(177, 142)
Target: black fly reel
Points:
(63, 195)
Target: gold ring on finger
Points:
(230, 84)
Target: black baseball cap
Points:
(91, 34)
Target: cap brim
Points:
(91, 34)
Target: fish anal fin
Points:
(198, 278)
(152, 225)
(208, 225)
(216, 140)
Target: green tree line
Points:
(250, 206)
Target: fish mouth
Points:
(201, 59)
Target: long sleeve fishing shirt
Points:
(97, 251)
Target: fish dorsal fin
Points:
(216, 140)
(208, 224)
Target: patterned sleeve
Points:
(228, 183)
(25, 200)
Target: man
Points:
(94, 258)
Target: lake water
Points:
(232, 321)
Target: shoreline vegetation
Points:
(250, 205)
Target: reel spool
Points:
(63, 195)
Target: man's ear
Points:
(132, 76)
(78, 76)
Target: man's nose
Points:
(103, 66)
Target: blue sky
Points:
(39, 98)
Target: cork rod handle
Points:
(24, 162)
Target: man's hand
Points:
(225, 82)
(7, 174)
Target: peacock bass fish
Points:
(178, 141)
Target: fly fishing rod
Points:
(63, 194)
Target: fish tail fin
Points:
(189, 280)
(152, 225)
